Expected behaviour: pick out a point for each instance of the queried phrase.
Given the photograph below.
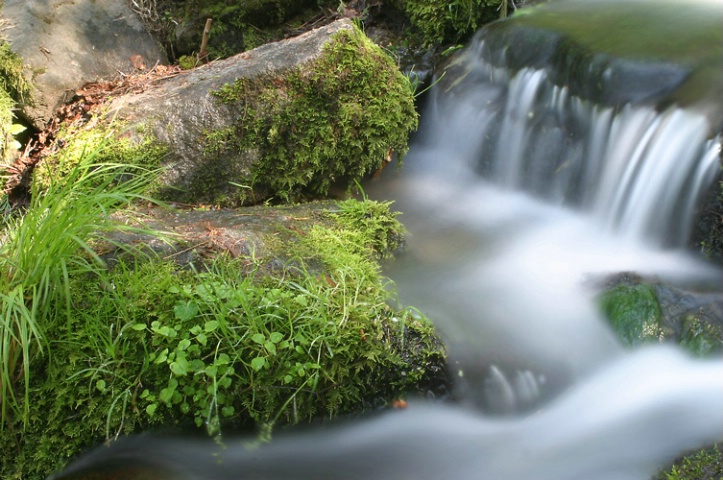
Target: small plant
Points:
(41, 249)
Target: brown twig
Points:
(203, 54)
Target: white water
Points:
(507, 263)
(509, 277)
(507, 267)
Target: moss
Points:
(12, 79)
(633, 312)
(236, 26)
(14, 89)
(333, 121)
(442, 22)
(703, 465)
(74, 142)
(235, 346)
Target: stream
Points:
(522, 196)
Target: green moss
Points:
(699, 337)
(333, 121)
(237, 26)
(703, 465)
(12, 79)
(634, 313)
(75, 143)
(235, 346)
(14, 89)
(441, 21)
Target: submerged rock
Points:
(643, 313)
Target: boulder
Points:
(66, 44)
(285, 120)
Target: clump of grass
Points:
(41, 248)
(238, 345)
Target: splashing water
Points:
(521, 198)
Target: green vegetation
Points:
(633, 312)
(14, 89)
(443, 22)
(355, 107)
(703, 465)
(40, 251)
(237, 26)
(148, 344)
(78, 141)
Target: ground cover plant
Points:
(40, 249)
(95, 351)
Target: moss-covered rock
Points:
(75, 141)
(633, 312)
(238, 345)
(443, 22)
(284, 121)
(651, 312)
(335, 122)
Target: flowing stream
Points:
(522, 197)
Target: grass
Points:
(41, 249)
(240, 343)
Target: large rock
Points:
(65, 44)
(618, 52)
(286, 119)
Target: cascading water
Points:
(522, 195)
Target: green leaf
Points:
(258, 363)
(227, 411)
(185, 311)
(180, 367)
(258, 338)
(16, 128)
(162, 357)
(100, 385)
(276, 337)
(225, 382)
(151, 409)
(184, 344)
(270, 347)
(166, 394)
(211, 326)
(202, 339)
(139, 326)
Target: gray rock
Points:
(65, 44)
(180, 112)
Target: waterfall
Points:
(526, 188)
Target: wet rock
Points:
(66, 44)
(650, 312)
